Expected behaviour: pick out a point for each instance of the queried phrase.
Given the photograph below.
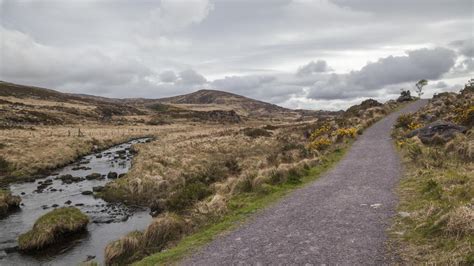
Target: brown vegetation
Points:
(52, 228)
(437, 193)
(8, 202)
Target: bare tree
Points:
(419, 87)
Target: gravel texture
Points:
(339, 219)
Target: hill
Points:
(214, 99)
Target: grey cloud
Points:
(418, 64)
(140, 48)
(168, 76)
(465, 47)
(189, 77)
(441, 85)
(313, 67)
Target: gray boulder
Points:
(439, 131)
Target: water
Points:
(108, 221)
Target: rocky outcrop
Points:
(437, 132)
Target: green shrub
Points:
(404, 121)
(188, 195)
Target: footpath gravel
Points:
(339, 219)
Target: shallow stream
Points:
(108, 221)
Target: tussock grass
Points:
(8, 202)
(53, 227)
(160, 232)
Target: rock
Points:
(439, 131)
(79, 204)
(98, 189)
(68, 202)
(112, 175)
(98, 156)
(404, 214)
(93, 176)
(87, 192)
(55, 205)
(376, 205)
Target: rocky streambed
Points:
(74, 185)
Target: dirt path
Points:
(339, 219)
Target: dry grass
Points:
(8, 202)
(53, 227)
(31, 152)
(437, 193)
(160, 232)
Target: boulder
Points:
(93, 176)
(112, 175)
(439, 131)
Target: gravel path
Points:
(339, 219)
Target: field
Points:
(203, 168)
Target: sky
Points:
(310, 54)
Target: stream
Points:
(108, 221)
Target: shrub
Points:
(321, 131)
(52, 227)
(404, 121)
(340, 133)
(320, 144)
(188, 195)
(464, 116)
(256, 132)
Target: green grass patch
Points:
(240, 207)
(52, 227)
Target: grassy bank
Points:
(435, 221)
(30, 153)
(240, 208)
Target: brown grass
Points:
(8, 202)
(53, 227)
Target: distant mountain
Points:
(214, 99)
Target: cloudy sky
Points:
(314, 54)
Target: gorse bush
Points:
(320, 144)
(464, 115)
(404, 121)
(321, 131)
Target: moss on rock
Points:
(52, 227)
